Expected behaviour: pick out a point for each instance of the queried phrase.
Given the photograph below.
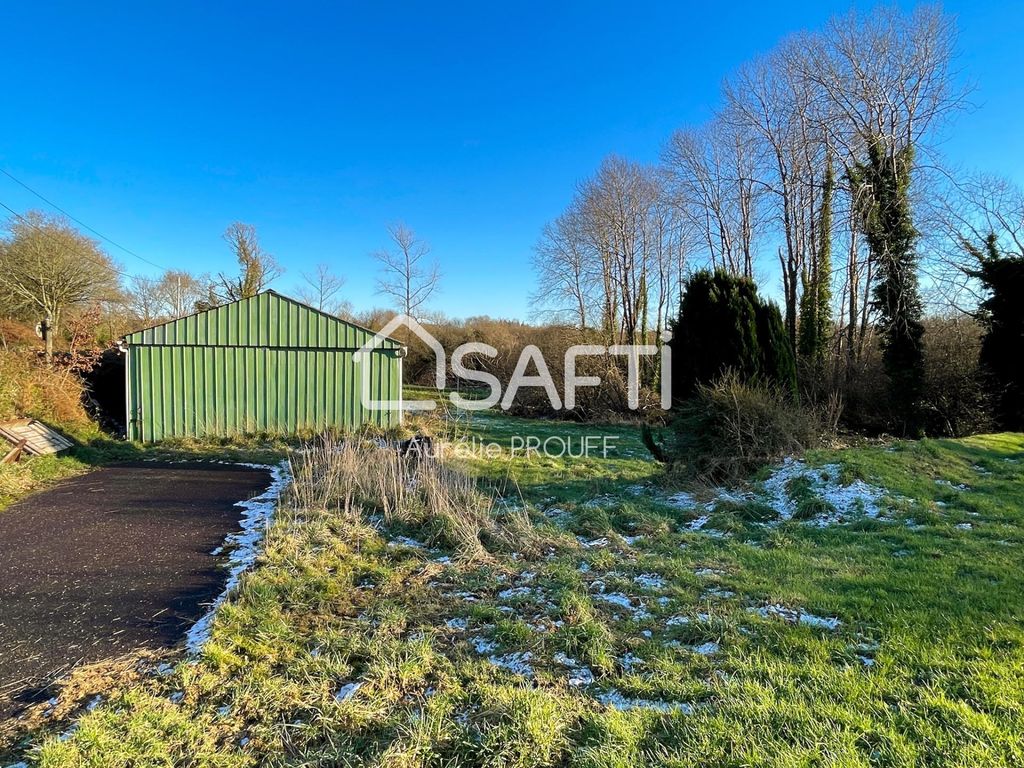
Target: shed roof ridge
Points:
(267, 291)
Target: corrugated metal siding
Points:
(195, 391)
(265, 364)
(266, 320)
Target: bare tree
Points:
(566, 277)
(671, 240)
(257, 268)
(884, 76)
(712, 181)
(617, 207)
(144, 299)
(769, 100)
(174, 294)
(960, 224)
(886, 86)
(182, 292)
(612, 262)
(408, 279)
(321, 289)
(47, 267)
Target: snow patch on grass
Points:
(718, 593)
(649, 581)
(617, 598)
(516, 663)
(243, 547)
(707, 573)
(844, 501)
(681, 500)
(514, 592)
(792, 616)
(482, 645)
(682, 621)
(405, 541)
(347, 691)
(617, 700)
(706, 649)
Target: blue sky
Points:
(320, 124)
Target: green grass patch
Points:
(875, 642)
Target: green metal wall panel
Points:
(182, 391)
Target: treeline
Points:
(818, 179)
(52, 274)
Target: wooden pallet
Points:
(38, 439)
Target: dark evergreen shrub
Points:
(723, 325)
(1002, 348)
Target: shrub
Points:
(1002, 315)
(955, 402)
(731, 428)
(724, 325)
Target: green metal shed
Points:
(262, 364)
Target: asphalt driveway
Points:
(108, 562)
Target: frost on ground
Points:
(243, 546)
(718, 593)
(347, 691)
(516, 663)
(482, 645)
(630, 593)
(617, 700)
(618, 599)
(844, 501)
(698, 523)
(706, 573)
(706, 649)
(791, 616)
(405, 541)
(649, 581)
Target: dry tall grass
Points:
(731, 428)
(30, 389)
(366, 477)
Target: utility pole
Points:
(44, 331)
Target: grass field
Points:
(864, 608)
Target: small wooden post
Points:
(13, 455)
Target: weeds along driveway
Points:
(114, 560)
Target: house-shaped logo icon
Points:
(363, 354)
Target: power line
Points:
(81, 223)
(87, 258)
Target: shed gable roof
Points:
(265, 320)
